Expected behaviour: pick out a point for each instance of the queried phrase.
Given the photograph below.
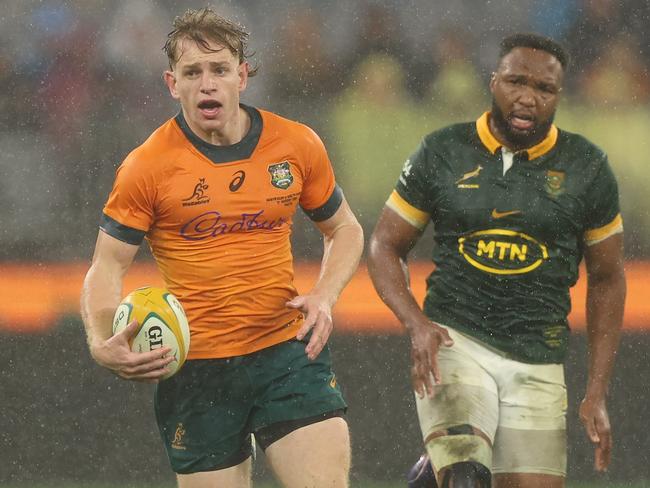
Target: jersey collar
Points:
(226, 154)
(492, 144)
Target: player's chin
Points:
(523, 137)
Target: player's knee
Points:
(459, 444)
(467, 474)
(421, 474)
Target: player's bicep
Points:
(102, 286)
(605, 259)
(394, 234)
(341, 217)
(112, 254)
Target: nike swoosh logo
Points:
(499, 215)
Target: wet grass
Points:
(366, 484)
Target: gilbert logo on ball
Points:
(162, 323)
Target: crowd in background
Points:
(82, 87)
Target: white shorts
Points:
(521, 408)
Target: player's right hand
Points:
(426, 338)
(115, 354)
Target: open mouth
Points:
(209, 108)
(521, 121)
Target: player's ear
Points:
(493, 80)
(170, 80)
(242, 71)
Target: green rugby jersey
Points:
(508, 245)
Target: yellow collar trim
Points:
(493, 145)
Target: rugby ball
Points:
(162, 323)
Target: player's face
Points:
(525, 93)
(208, 83)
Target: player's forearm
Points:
(100, 296)
(605, 304)
(390, 277)
(341, 255)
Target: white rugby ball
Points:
(162, 323)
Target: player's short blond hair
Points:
(204, 26)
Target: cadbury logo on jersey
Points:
(281, 176)
(211, 224)
(502, 251)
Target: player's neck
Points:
(231, 133)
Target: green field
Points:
(367, 484)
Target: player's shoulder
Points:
(298, 133)
(156, 148)
(451, 136)
(579, 147)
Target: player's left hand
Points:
(594, 417)
(318, 318)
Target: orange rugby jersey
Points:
(218, 221)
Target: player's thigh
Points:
(234, 477)
(465, 402)
(301, 399)
(293, 390)
(531, 436)
(316, 455)
(527, 480)
(202, 414)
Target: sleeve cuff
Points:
(121, 232)
(414, 216)
(328, 209)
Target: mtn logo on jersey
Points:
(502, 251)
(281, 176)
(198, 196)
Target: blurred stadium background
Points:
(82, 87)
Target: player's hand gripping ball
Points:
(162, 323)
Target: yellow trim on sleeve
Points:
(594, 236)
(414, 216)
(493, 144)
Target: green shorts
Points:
(207, 412)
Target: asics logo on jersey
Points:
(502, 251)
(198, 196)
(237, 181)
(212, 224)
(499, 215)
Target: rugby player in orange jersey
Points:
(213, 190)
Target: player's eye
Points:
(547, 89)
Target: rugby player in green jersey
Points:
(515, 204)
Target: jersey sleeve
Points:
(321, 197)
(128, 213)
(603, 214)
(412, 198)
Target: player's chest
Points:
(543, 199)
(255, 193)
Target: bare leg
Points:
(314, 456)
(527, 480)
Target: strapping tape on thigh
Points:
(447, 450)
